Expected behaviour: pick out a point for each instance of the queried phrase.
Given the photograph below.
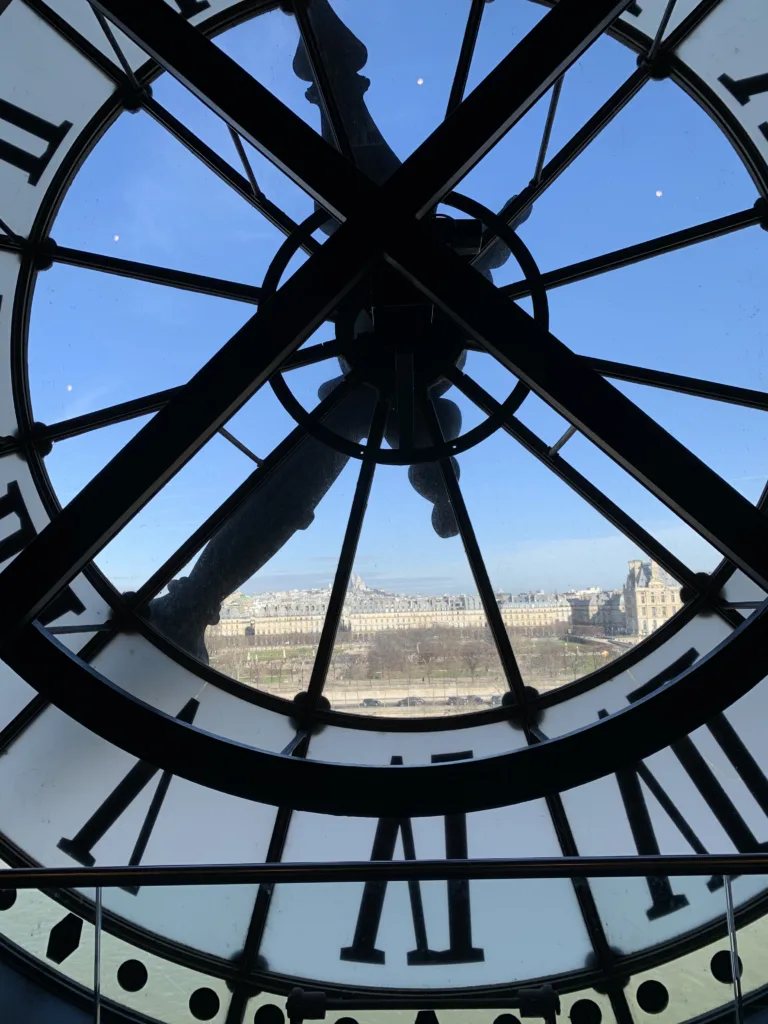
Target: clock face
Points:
(388, 581)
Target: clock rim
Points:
(104, 118)
(94, 130)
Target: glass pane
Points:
(274, 563)
(166, 521)
(413, 639)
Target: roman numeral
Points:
(12, 504)
(188, 8)
(460, 949)
(663, 898)
(116, 804)
(52, 134)
(743, 89)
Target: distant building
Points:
(651, 597)
(648, 598)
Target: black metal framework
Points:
(98, 58)
(35, 253)
(411, 163)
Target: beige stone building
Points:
(651, 597)
(648, 599)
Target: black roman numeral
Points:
(12, 504)
(188, 8)
(663, 899)
(460, 950)
(53, 134)
(116, 804)
(743, 89)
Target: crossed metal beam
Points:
(375, 222)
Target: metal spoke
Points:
(99, 627)
(563, 159)
(475, 558)
(556, 447)
(310, 355)
(677, 382)
(577, 482)
(753, 215)
(347, 557)
(188, 139)
(498, 103)
(613, 106)
(322, 80)
(104, 24)
(162, 576)
(148, 272)
(106, 417)
(179, 429)
(32, 711)
(226, 172)
(233, 375)
(465, 55)
(689, 24)
(240, 446)
(656, 459)
(242, 986)
(9, 232)
(661, 30)
(258, 194)
(548, 124)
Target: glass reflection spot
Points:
(204, 1004)
(652, 997)
(720, 966)
(585, 1011)
(132, 975)
(7, 898)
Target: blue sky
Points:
(96, 340)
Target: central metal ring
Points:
(438, 346)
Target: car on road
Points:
(370, 702)
(495, 699)
(474, 699)
(410, 701)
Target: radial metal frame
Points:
(474, 137)
(474, 718)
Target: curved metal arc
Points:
(628, 736)
(250, 487)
